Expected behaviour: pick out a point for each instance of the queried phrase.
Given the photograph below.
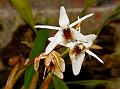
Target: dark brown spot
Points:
(77, 49)
(67, 33)
(52, 65)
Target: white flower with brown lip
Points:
(78, 50)
(53, 63)
(65, 32)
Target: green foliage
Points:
(87, 82)
(38, 47)
(55, 83)
(58, 83)
(24, 9)
(39, 43)
(113, 16)
(89, 3)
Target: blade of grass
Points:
(115, 13)
(24, 9)
(87, 5)
(88, 82)
(58, 83)
(38, 47)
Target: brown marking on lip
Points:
(77, 49)
(67, 33)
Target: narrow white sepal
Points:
(48, 27)
(94, 55)
(63, 19)
(80, 20)
(56, 40)
(63, 42)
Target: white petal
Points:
(89, 40)
(77, 35)
(56, 40)
(63, 19)
(77, 63)
(48, 27)
(72, 45)
(63, 42)
(80, 20)
(92, 54)
(50, 38)
(81, 57)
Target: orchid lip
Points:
(67, 33)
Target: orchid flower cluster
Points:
(70, 37)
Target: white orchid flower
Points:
(65, 32)
(77, 54)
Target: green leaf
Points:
(40, 43)
(58, 83)
(38, 47)
(89, 3)
(88, 82)
(24, 9)
(114, 15)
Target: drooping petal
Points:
(58, 74)
(62, 64)
(56, 40)
(36, 63)
(94, 55)
(48, 60)
(59, 61)
(77, 63)
(63, 19)
(89, 40)
(48, 27)
(80, 20)
(55, 70)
